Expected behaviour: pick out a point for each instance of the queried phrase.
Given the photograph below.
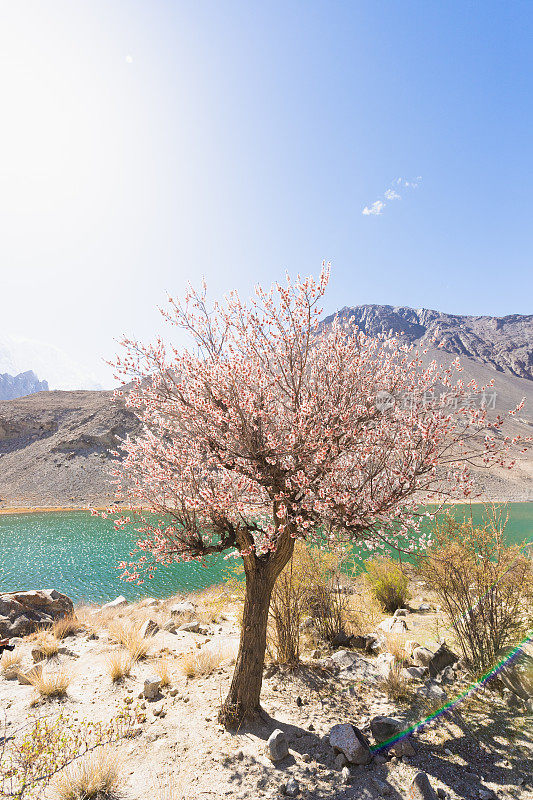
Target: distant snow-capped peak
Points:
(46, 361)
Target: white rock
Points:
(422, 656)
(116, 603)
(185, 607)
(277, 746)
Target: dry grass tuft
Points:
(163, 671)
(95, 776)
(395, 645)
(396, 686)
(10, 663)
(51, 685)
(119, 665)
(67, 626)
(203, 662)
(129, 636)
(48, 645)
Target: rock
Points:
(344, 659)
(393, 625)
(150, 602)
(26, 677)
(414, 673)
(400, 612)
(152, 686)
(148, 628)
(340, 761)
(292, 788)
(410, 645)
(432, 691)
(185, 607)
(21, 613)
(341, 640)
(403, 748)
(424, 608)
(447, 675)
(385, 663)
(441, 793)
(384, 728)
(118, 602)
(441, 659)
(421, 656)
(349, 740)
(420, 788)
(189, 627)
(345, 774)
(484, 794)
(277, 746)
(170, 626)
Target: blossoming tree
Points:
(271, 428)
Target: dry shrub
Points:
(396, 687)
(130, 637)
(395, 646)
(94, 776)
(119, 665)
(51, 685)
(162, 669)
(484, 586)
(203, 662)
(66, 626)
(47, 645)
(10, 663)
(388, 583)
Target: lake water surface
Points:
(78, 554)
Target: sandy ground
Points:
(184, 753)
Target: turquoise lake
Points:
(78, 554)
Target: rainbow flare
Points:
(452, 703)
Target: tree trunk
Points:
(242, 701)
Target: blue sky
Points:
(148, 143)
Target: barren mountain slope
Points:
(54, 447)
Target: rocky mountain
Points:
(55, 446)
(503, 343)
(13, 386)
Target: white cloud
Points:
(375, 209)
(390, 194)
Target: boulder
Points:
(410, 645)
(424, 608)
(422, 656)
(185, 607)
(292, 789)
(400, 612)
(170, 626)
(118, 602)
(148, 628)
(441, 659)
(432, 691)
(414, 673)
(403, 748)
(393, 625)
(21, 613)
(385, 663)
(421, 789)
(151, 688)
(190, 627)
(344, 659)
(277, 746)
(517, 673)
(447, 674)
(341, 640)
(347, 739)
(384, 728)
(150, 602)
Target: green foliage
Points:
(388, 583)
(30, 758)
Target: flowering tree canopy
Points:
(272, 426)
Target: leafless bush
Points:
(485, 587)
